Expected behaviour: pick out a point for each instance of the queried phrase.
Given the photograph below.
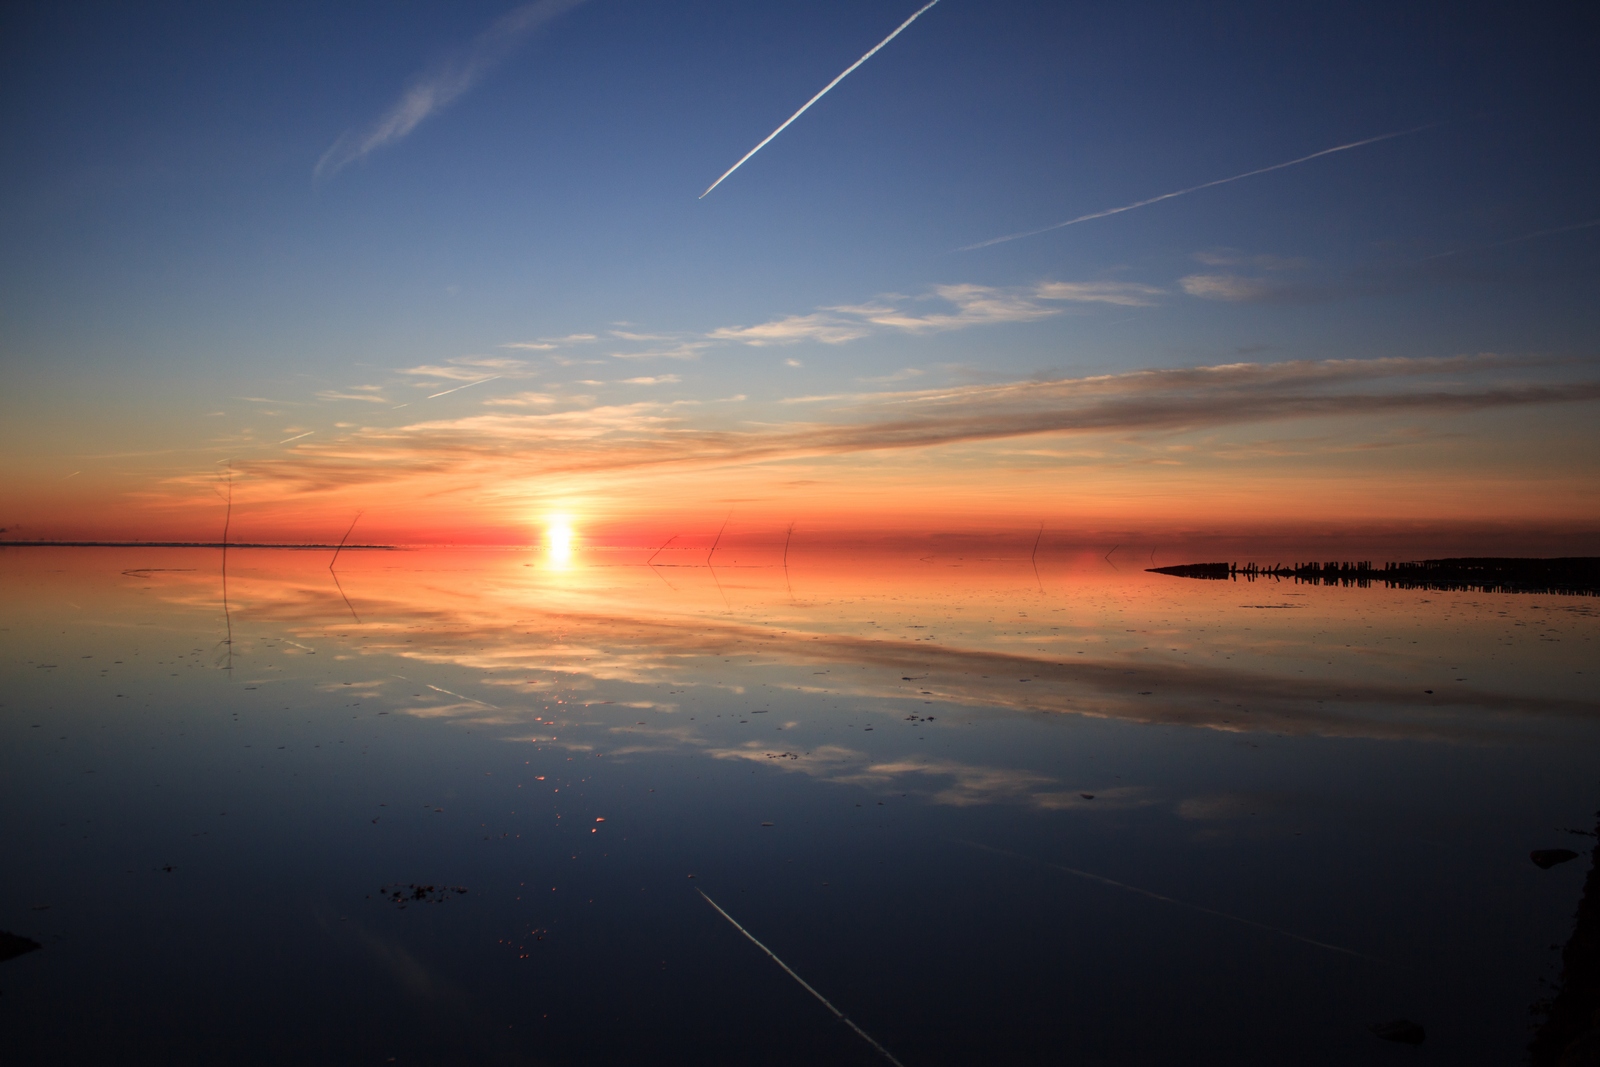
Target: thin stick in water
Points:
(718, 541)
(658, 551)
(342, 540)
(841, 1016)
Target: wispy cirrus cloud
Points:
(371, 394)
(963, 305)
(465, 369)
(615, 438)
(442, 84)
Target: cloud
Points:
(1231, 287)
(681, 350)
(437, 88)
(659, 379)
(828, 329)
(1124, 294)
(369, 394)
(522, 400)
(531, 346)
(968, 305)
(464, 369)
(646, 435)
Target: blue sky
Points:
(166, 242)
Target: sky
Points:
(454, 268)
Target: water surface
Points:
(993, 811)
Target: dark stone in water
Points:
(12, 946)
(1404, 1031)
(1545, 858)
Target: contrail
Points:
(1518, 240)
(296, 437)
(1180, 903)
(1193, 188)
(458, 388)
(841, 1016)
(439, 86)
(819, 96)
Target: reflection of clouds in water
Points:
(969, 783)
(359, 687)
(666, 652)
(515, 638)
(1217, 806)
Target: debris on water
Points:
(411, 893)
(1404, 1031)
(1545, 858)
(14, 945)
(1087, 796)
(766, 824)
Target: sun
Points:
(558, 541)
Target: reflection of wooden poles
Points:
(837, 1014)
(1572, 1017)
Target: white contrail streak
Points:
(1193, 188)
(1181, 903)
(458, 388)
(819, 96)
(1518, 240)
(841, 1016)
(296, 437)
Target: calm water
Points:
(995, 815)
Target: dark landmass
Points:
(1571, 575)
(187, 544)
(1570, 1035)
(13, 945)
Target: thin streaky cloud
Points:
(898, 30)
(296, 437)
(1518, 240)
(620, 438)
(1195, 188)
(440, 86)
(458, 388)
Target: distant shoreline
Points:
(1571, 575)
(191, 544)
